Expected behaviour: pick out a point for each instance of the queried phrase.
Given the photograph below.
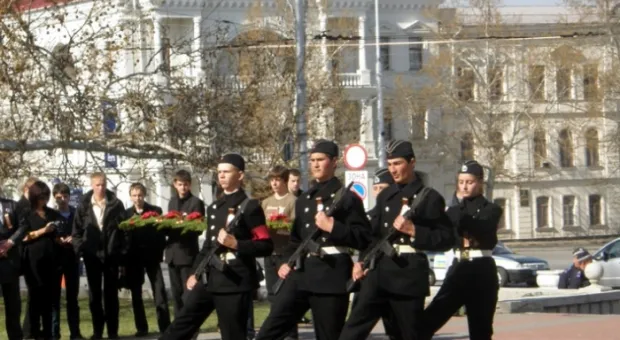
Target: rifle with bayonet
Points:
(309, 244)
(212, 258)
(384, 247)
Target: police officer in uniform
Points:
(228, 292)
(382, 180)
(472, 279)
(399, 285)
(319, 283)
(574, 277)
(13, 228)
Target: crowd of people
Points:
(310, 263)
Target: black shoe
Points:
(140, 334)
(76, 337)
(113, 336)
(96, 337)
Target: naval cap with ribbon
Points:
(383, 176)
(473, 168)
(399, 149)
(325, 146)
(234, 159)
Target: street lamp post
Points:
(379, 75)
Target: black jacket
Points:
(351, 230)
(252, 239)
(181, 249)
(146, 244)
(10, 266)
(108, 242)
(476, 218)
(408, 273)
(573, 278)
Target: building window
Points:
(524, 198)
(568, 211)
(540, 148)
(563, 83)
(465, 84)
(542, 212)
(415, 54)
(467, 147)
(497, 149)
(385, 53)
(592, 148)
(565, 144)
(495, 78)
(536, 82)
(595, 204)
(590, 82)
(502, 221)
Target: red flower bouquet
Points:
(279, 221)
(138, 221)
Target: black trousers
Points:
(12, 308)
(156, 278)
(469, 283)
(69, 267)
(41, 283)
(373, 303)
(272, 264)
(178, 279)
(103, 304)
(328, 312)
(387, 318)
(232, 312)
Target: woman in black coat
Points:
(39, 259)
(471, 281)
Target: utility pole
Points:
(379, 71)
(300, 91)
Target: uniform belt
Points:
(468, 254)
(404, 249)
(333, 251)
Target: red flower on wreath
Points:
(132, 222)
(149, 214)
(173, 214)
(193, 216)
(278, 217)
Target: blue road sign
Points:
(360, 190)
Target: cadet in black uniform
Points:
(399, 285)
(227, 292)
(318, 283)
(383, 179)
(472, 280)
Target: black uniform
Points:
(227, 292)
(103, 248)
(319, 284)
(146, 250)
(399, 285)
(40, 272)
(22, 208)
(68, 265)
(181, 249)
(471, 282)
(13, 228)
(573, 278)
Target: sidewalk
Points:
(510, 327)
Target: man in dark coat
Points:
(573, 277)
(102, 244)
(146, 250)
(12, 232)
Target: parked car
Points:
(512, 268)
(609, 258)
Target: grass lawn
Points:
(126, 323)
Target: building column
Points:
(362, 43)
(367, 129)
(197, 46)
(323, 29)
(157, 43)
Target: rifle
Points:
(384, 246)
(309, 244)
(212, 259)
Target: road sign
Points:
(355, 157)
(360, 185)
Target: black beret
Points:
(234, 159)
(324, 146)
(399, 149)
(472, 168)
(383, 176)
